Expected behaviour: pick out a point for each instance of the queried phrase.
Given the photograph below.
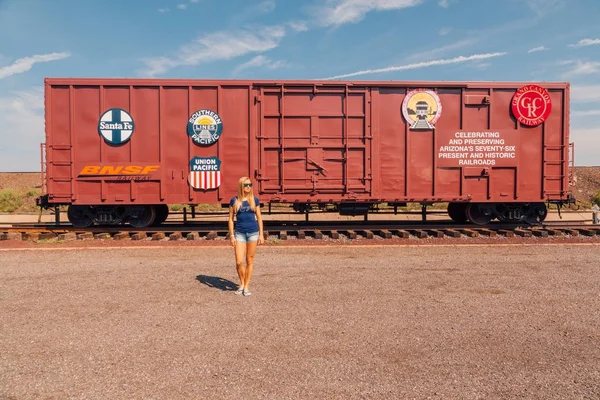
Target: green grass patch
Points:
(596, 198)
(176, 207)
(10, 200)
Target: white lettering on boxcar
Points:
(476, 148)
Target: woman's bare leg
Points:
(251, 250)
(240, 250)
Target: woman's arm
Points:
(261, 236)
(230, 225)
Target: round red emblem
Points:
(531, 105)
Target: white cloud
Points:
(581, 68)
(182, 6)
(425, 64)
(21, 130)
(535, 49)
(339, 12)
(260, 61)
(481, 65)
(444, 31)
(585, 93)
(585, 42)
(544, 7)
(298, 26)
(265, 7)
(163, 10)
(440, 51)
(444, 3)
(26, 63)
(231, 44)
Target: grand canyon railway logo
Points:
(205, 173)
(531, 105)
(421, 108)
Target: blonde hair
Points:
(240, 196)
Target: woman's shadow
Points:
(216, 282)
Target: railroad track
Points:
(284, 230)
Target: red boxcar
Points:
(120, 150)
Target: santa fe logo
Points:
(116, 126)
(205, 173)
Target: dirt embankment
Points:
(18, 190)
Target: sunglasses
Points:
(247, 185)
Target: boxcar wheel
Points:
(536, 214)
(457, 212)
(80, 216)
(480, 213)
(142, 216)
(162, 213)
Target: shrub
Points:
(175, 207)
(10, 200)
(32, 193)
(596, 198)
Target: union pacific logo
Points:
(120, 172)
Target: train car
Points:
(121, 150)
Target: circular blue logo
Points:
(116, 126)
(205, 127)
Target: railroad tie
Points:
(175, 236)
(488, 232)
(421, 234)
(139, 236)
(158, 236)
(385, 234)
(192, 236)
(588, 232)
(470, 232)
(121, 236)
(402, 233)
(436, 233)
(11, 236)
(523, 232)
(453, 233)
(571, 232)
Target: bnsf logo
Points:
(119, 169)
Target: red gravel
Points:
(475, 322)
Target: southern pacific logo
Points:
(119, 172)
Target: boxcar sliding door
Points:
(314, 139)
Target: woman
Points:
(248, 231)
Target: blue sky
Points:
(447, 40)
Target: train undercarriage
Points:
(143, 216)
(484, 213)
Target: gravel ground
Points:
(448, 322)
